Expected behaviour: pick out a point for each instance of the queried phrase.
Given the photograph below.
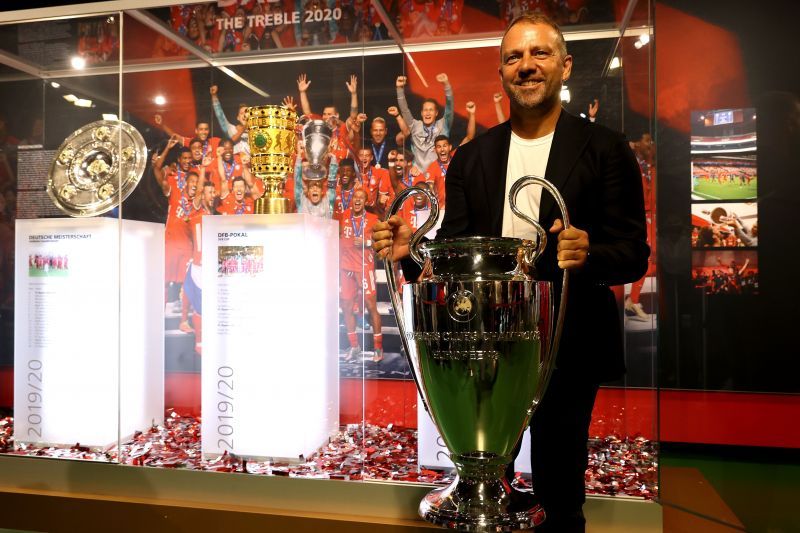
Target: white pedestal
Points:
(270, 346)
(88, 346)
(433, 453)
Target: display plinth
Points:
(270, 349)
(88, 349)
(433, 453)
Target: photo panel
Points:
(725, 271)
(725, 225)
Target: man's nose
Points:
(527, 65)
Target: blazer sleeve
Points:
(618, 249)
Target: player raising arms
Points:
(374, 179)
(238, 131)
(239, 201)
(344, 132)
(202, 130)
(357, 263)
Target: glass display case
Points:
(129, 188)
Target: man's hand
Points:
(442, 78)
(206, 161)
(392, 237)
(352, 85)
(401, 81)
(593, 107)
(497, 97)
(173, 141)
(393, 111)
(573, 246)
(361, 118)
(214, 90)
(288, 102)
(303, 83)
(471, 108)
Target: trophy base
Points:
(481, 506)
(272, 206)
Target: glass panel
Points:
(727, 193)
(61, 177)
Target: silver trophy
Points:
(316, 141)
(96, 168)
(478, 335)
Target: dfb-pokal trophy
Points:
(272, 140)
(479, 335)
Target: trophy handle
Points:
(544, 377)
(388, 265)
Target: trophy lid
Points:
(480, 258)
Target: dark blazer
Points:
(596, 172)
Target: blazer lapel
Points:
(494, 158)
(569, 141)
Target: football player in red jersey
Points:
(438, 169)
(341, 145)
(374, 179)
(357, 261)
(238, 202)
(403, 173)
(228, 166)
(202, 130)
(346, 187)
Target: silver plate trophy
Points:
(96, 168)
(478, 334)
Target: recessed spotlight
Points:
(55, 84)
(80, 102)
(565, 96)
(78, 63)
(583, 115)
(160, 100)
(644, 38)
(110, 116)
(615, 63)
(71, 98)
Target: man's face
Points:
(348, 174)
(330, 115)
(442, 150)
(191, 185)
(197, 151)
(185, 160)
(238, 190)
(194, 29)
(242, 115)
(314, 191)
(359, 199)
(202, 130)
(227, 151)
(429, 113)
(420, 200)
(365, 157)
(378, 132)
(208, 195)
(400, 163)
(531, 66)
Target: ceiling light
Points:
(80, 102)
(160, 100)
(583, 115)
(110, 116)
(70, 98)
(615, 63)
(55, 84)
(78, 62)
(644, 38)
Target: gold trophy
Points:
(272, 138)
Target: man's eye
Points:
(512, 59)
(541, 54)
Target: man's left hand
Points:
(573, 246)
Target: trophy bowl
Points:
(480, 339)
(272, 140)
(96, 168)
(316, 141)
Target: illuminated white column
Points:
(270, 334)
(79, 285)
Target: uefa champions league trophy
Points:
(272, 139)
(316, 141)
(478, 335)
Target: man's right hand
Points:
(303, 83)
(401, 81)
(393, 111)
(392, 237)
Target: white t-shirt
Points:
(526, 157)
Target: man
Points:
(438, 169)
(179, 186)
(374, 179)
(377, 142)
(598, 177)
(423, 132)
(644, 150)
(315, 196)
(357, 263)
(346, 188)
(227, 168)
(237, 132)
(192, 284)
(341, 144)
(238, 202)
(201, 131)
